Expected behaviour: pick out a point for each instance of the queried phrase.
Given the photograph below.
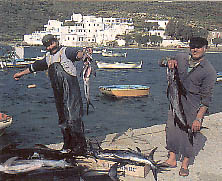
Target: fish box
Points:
(130, 170)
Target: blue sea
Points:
(34, 113)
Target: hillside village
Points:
(82, 30)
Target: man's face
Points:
(51, 46)
(197, 52)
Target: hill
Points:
(19, 17)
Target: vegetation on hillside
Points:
(19, 17)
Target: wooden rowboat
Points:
(5, 121)
(120, 65)
(125, 90)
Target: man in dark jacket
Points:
(198, 77)
(59, 61)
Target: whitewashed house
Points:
(83, 30)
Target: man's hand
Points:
(196, 126)
(172, 64)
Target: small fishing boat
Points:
(120, 65)
(112, 54)
(125, 90)
(5, 121)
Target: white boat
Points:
(5, 121)
(112, 54)
(120, 65)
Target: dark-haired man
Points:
(198, 77)
(59, 61)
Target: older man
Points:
(198, 78)
(59, 61)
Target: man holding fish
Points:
(59, 61)
(191, 80)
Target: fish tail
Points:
(190, 136)
(87, 106)
(154, 171)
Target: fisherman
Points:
(198, 77)
(59, 61)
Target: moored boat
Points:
(219, 76)
(120, 65)
(112, 54)
(125, 90)
(5, 121)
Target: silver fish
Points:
(15, 166)
(46, 163)
(86, 72)
(174, 92)
(127, 157)
(11, 167)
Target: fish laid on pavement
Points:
(174, 92)
(15, 166)
(123, 157)
(41, 150)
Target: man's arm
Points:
(18, 75)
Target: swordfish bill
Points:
(174, 92)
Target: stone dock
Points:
(206, 166)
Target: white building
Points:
(162, 23)
(83, 30)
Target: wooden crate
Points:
(131, 170)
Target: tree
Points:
(156, 40)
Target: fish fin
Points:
(150, 157)
(10, 161)
(138, 149)
(154, 170)
(113, 172)
(87, 106)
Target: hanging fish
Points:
(86, 72)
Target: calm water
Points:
(35, 116)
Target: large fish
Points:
(86, 72)
(174, 92)
(15, 166)
(41, 150)
(123, 157)
(11, 167)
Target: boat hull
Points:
(5, 121)
(125, 90)
(219, 76)
(120, 65)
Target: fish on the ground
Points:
(41, 150)
(174, 92)
(11, 168)
(15, 166)
(124, 157)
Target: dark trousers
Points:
(69, 107)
